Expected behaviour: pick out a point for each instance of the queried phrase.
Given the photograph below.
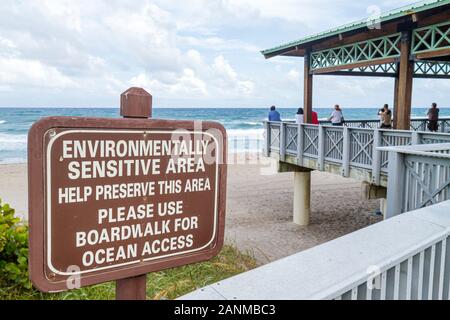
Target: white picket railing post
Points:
(321, 149)
(376, 157)
(268, 139)
(300, 145)
(415, 138)
(282, 141)
(346, 152)
(396, 184)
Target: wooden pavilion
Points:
(406, 43)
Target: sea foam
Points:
(10, 142)
(246, 133)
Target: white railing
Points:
(346, 147)
(365, 124)
(416, 124)
(419, 176)
(406, 257)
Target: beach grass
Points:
(167, 284)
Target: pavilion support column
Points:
(405, 84)
(307, 88)
(395, 106)
(302, 197)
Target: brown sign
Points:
(116, 198)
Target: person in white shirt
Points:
(336, 118)
(299, 118)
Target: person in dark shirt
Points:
(386, 117)
(274, 115)
(433, 118)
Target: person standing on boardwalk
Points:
(380, 115)
(299, 117)
(336, 118)
(386, 117)
(274, 115)
(315, 118)
(433, 117)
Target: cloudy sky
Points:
(196, 53)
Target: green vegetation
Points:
(13, 250)
(168, 284)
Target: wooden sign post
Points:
(134, 103)
(115, 199)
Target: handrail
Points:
(428, 150)
(405, 258)
(443, 122)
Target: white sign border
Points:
(48, 205)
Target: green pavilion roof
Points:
(385, 17)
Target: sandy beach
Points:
(259, 208)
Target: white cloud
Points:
(101, 45)
(218, 44)
(198, 52)
(228, 80)
(7, 44)
(200, 80)
(189, 83)
(293, 75)
(185, 85)
(307, 12)
(23, 73)
(207, 15)
(63, 10)
(223, 69)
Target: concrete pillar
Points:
(302, 197)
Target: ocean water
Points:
(244, 125)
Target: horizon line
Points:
(116, 107)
